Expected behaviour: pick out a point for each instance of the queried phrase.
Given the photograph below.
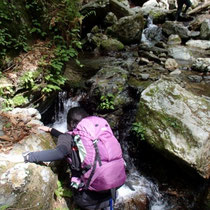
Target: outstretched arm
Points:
(62, 149)
(47, 155)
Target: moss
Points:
(157, 123)
(47, 141)
(152, 92)
(111, 45)
(133, 82)
(157, 15)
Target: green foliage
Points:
(61, 191)
(107, 102)
(138, 130)
(4, 207)
(6, 91)
(173, 123)
(12, 33)
(10, 103)
(27, 80)
(57, 20)
(19, 100)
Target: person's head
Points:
(74, 116)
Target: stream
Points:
(153, 182)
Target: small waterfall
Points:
(64, 104)
(140, 184)
(152, 34)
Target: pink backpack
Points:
(102, 165)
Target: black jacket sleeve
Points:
(55, 132)
(62, 150)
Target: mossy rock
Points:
(111, 45)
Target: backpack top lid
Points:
(92, 127)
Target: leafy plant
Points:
(28, 79)
(138, 130)
(19, 100)
(107, 102)
(4, 207)
(12, 36)
(64, 21)
(61, 191)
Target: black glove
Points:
(26, 156)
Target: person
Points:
(86, 199)
(180, 4)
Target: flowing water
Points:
(136, 183)
(151, 34)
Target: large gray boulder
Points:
(177, 123)
(25, 185)
(111, 82)
(128, 29)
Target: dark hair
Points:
(74, 116)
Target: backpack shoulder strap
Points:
(97, 159)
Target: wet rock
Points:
(206, 79)
(171, 64)
(144, 76)
(199, 19)
(95, 39)
(110, 19)
(203, 44)
(137, 202)
(195, 78)
(177, 123)
(174, 39)
(120, 9)
(149, 55)
(111, 45)
(180, 53)
(128, 29)
(171, 27)
(154, 49)
(201, 64)
(110, 80)
(175, 72)
(205, 29)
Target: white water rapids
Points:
(139, 183)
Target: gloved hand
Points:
(26, 156)
(45, 128)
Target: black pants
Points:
(91, 200)
(180, 6)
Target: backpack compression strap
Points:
(97, 158)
